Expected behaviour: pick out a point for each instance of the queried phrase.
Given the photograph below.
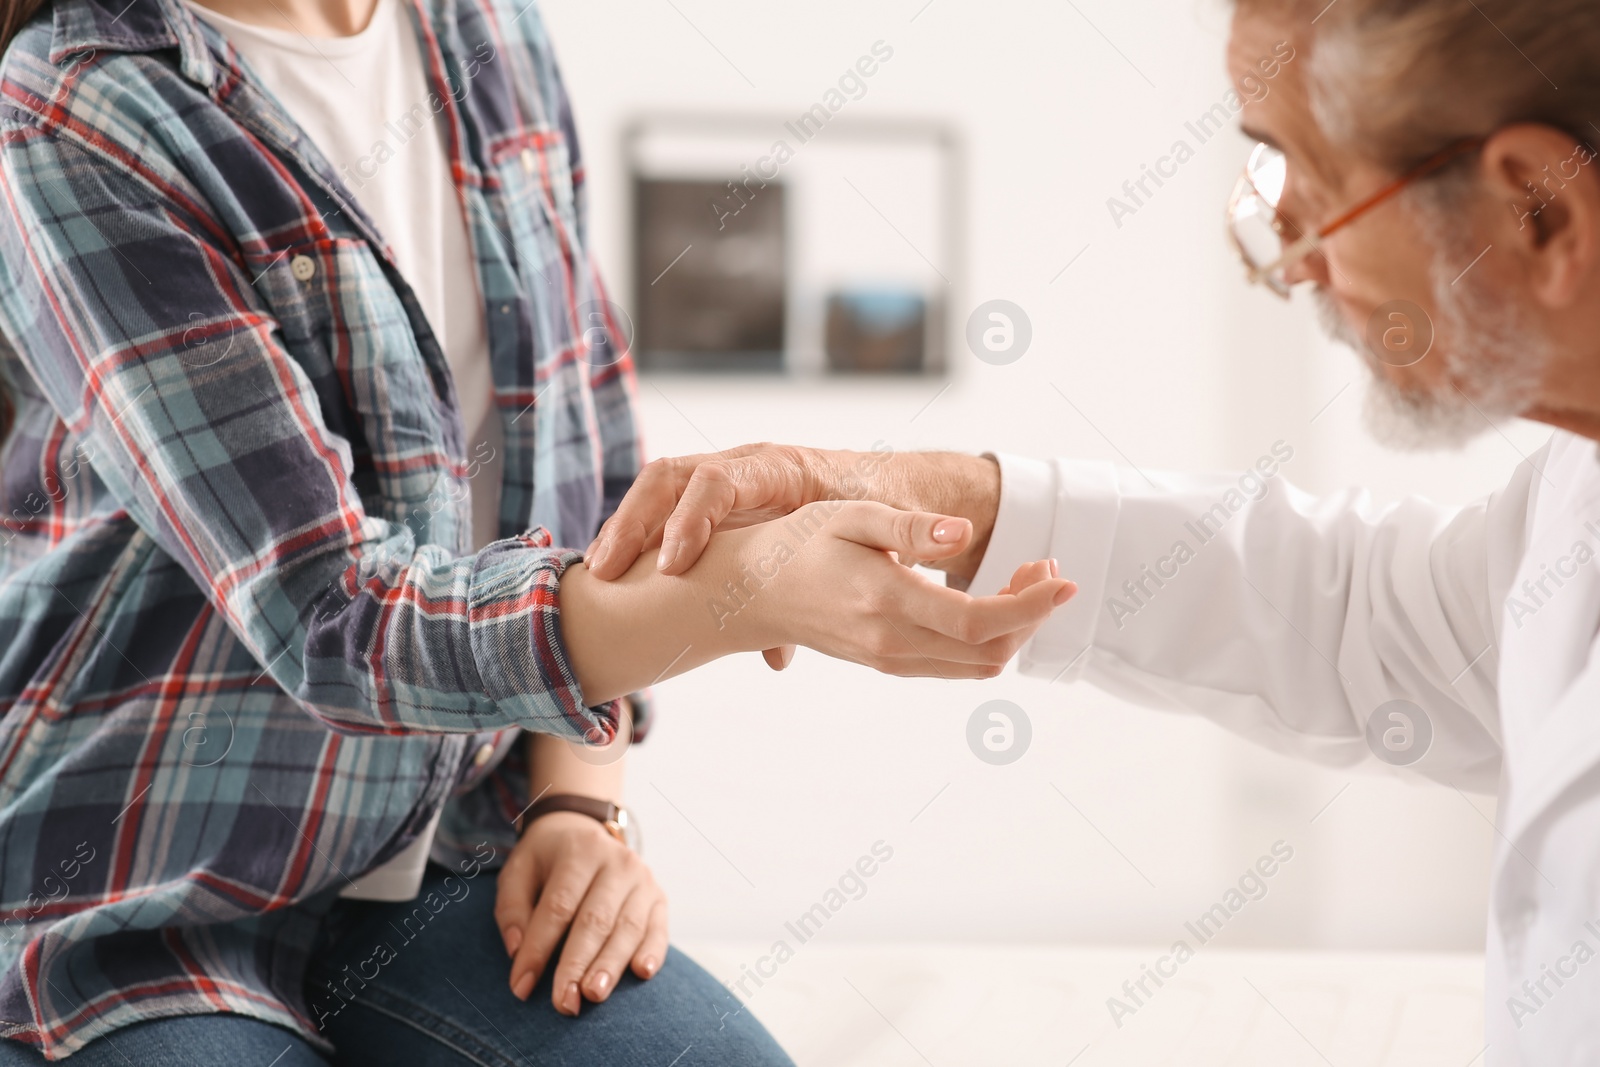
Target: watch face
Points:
(628, 829)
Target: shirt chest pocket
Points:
(344, 324)
(533, 175)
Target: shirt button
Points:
(528, 160)
(480, 757)
(302, 267)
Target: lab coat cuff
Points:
(1023, 523)
(1087, 504)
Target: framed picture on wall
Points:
(771, 245)
(712, 287)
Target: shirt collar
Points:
(132, 26)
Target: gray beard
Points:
(1494, 357)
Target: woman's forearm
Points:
(825, 576)
(555, 766)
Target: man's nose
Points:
(1312, 268)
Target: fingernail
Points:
(513, 940)
(950, 531)
(1055, 569)
(569, 1003)
(601, 983)
(1065, 595)
(669, 553)
(650, 966)
(523, 986)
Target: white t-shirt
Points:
(366, 104)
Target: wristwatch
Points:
(618, 820)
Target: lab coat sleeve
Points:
(1287, 618)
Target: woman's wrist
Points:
(643, 627)
(735, 595)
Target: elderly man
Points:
(1405, 140)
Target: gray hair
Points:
(1396, 80)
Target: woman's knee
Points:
(687, 1002)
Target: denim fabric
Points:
(438, 996)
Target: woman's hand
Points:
(568, 876)
(826, 578)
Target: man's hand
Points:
(677, 503)
(568, 877)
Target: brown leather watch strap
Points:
(601, 811)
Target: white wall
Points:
(758, 790)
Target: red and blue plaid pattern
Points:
(244, 649)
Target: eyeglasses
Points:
(1269, 243)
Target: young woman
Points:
(308, 383)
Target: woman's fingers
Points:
(627, 941)
(1031, 574)
(918, 534)
(924, 629)
(652, 951)
(594, 924)
(980, 620)
(560, 900)
(780, 657)
(513, 898)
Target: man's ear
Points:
(1549, 183)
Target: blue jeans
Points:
(441, 999)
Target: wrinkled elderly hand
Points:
(677, 503)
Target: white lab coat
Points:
(1299, 617)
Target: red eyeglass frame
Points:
(1308, 243)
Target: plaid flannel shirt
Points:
(245, 651)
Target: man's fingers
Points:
(558, 905)
(619, 543)
(917, 534)
(646, 507)
(627, 937)
(780, 657)
(712, 492)
(770, 481)
(649, 501)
